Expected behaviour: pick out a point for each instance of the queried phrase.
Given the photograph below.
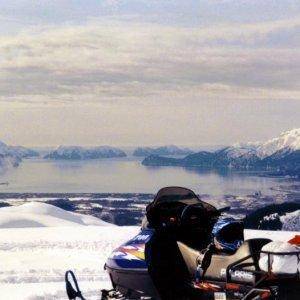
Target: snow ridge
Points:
(286, 142)
(38, 214)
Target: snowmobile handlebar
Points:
(72, 292)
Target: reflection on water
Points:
(127, 175)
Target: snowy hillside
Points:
(37, 214)
(78, 152)
(37, 258)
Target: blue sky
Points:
(148, 72)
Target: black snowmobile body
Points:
(172, 257)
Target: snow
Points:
(78, 152)
(290, 221)
(286, 141)
(36, 258)
(8, 159)
(16, 151)
(53, 241)
(242, 150)
(37, 214)
(11, 156)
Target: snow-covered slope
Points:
(37, 258)
(78, 152)
(37, 214)
(288, 141)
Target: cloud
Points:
(108, 61)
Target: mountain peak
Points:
(288, 140)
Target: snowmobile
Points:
(186, 250)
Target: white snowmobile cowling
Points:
(280, 264)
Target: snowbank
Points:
(37, 214)
(37, 258)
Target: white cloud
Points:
(103, 61)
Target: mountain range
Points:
(280, 154)
(82, 153)
(164, 150)
(11, 156)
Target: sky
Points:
(148, 72)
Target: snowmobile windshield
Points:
(169, 203)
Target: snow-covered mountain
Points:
(280, 154)
(11, 156)
(82, 153)
(17, 151)
(23, 152)
(7, 158)
(164, 150)
(37, 214)
(287, 141)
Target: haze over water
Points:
(127, 175)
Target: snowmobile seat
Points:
(246, 257)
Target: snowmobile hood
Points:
(131, 255)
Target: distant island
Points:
(164, 150)
(84, 153)
(280, 155)
(11, 156)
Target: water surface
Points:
(127, 175)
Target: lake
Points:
(127, 175)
